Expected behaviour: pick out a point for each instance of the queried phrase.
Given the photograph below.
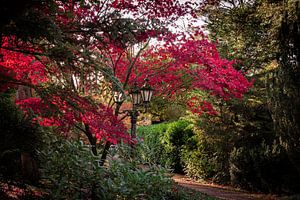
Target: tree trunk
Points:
(104, 153)
(91, 139)
(29, 168)
(108, 144)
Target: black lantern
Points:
(146, 92)
(118, 96)
(135, 95)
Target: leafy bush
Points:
(202, 157)
(264, 167)
(177, 135)
(165, 188)
(151, 150)
(257, 160)
(184, 147)
(167, 110)
(130, 181)
(238, 146)
(70, 171)
(163, 143)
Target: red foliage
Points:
(56, 108)
(158, 9)
(201, 107)
(20, 67)
(184, 64)
(64, 114)
(178, 63)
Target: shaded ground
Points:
(13, 192)
(221, 192)
(20, 192)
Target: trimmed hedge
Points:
(163, 143)
(253, 161)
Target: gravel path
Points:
(221, 192)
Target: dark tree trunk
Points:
(91, 139)
(29, 168)
(108, 144)
(104, 153)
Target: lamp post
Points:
(135, 94)
(138, 96)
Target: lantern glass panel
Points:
(146, 95)
(146, 91)
(136, 98)
(119, 97)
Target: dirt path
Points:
(221, 192)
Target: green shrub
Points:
(151, 150)
(264, 167)
(163, 188)
(205, 156)
(238, 146)
(257, 161)
(198, 162)
(163, 143)
(183, 146)
(70, 171)
(177, 136)
(130, 181)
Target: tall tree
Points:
(264, 36)
(286, 99)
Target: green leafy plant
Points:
(151, 150)
(163, 143)
(70, 171)
(183, 146)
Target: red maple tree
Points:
(91, 49)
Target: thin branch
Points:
(25, 51)
(133, 63)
